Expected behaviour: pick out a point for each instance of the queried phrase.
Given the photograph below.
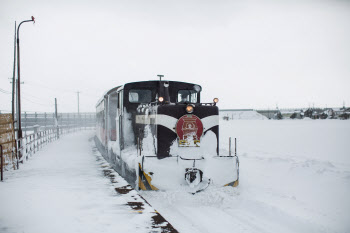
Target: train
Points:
(158, 135)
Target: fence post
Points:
(57, 127)
(26, 145)
(229, 147)
(53, 123)
(40, 140)
(34, 142)
(2, 174)
(236, 147)
(25, 123)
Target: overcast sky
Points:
(249, 54)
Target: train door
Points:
(119, 119)
(113, 148)
(105, 140)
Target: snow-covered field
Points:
(242, 115)
(294, 177)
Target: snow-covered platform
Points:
(68, 187)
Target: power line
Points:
(37, 102)
(32, 95)
(31, 83)
(4, 91)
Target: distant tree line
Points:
(325, 113)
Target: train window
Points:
(120, 103)
(187, 96)
(140, 96)
(112, 114)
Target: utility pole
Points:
(78, 108)
(56, 108)
(14, 77)
(56, 120)
(78, 101)
(17, 108)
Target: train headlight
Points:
(161, 99)
(189, 109)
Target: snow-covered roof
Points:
(108, 92)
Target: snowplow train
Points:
(159, 136)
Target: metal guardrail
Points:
(48, 120)
(31, 143)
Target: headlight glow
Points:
(189, 109)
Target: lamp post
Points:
(14, 76)
(19, 81)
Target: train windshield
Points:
(187, 96)
(140, 96)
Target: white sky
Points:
(250, 54)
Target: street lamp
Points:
(19, 80)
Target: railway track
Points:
(136, 202)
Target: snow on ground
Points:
(242, 115)
(62, 189)
(294, 177)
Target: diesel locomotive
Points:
(158, 135)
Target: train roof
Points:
(155, 82)
(107, 93)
